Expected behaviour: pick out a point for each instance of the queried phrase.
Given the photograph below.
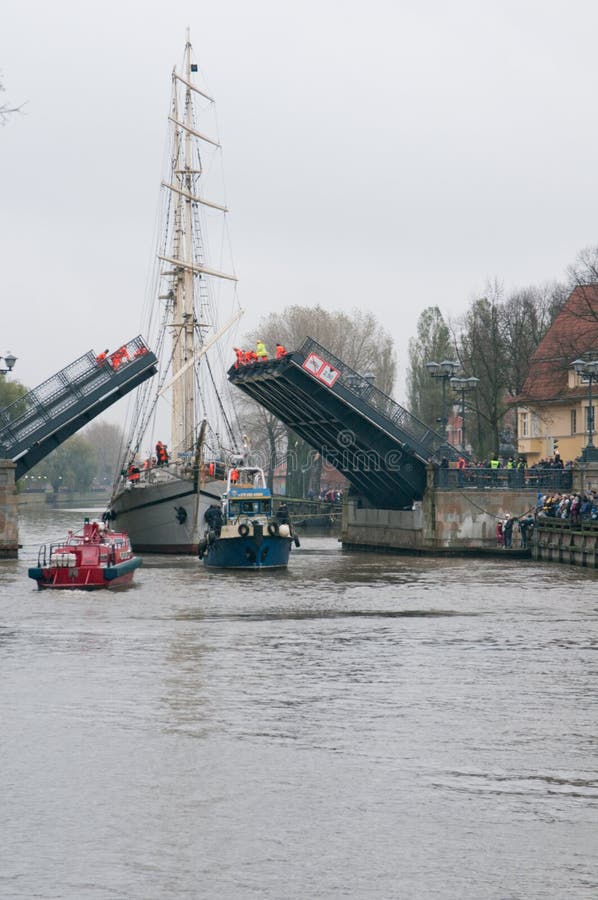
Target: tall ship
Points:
(179, 439)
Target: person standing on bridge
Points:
(261, 352)
(240, 360)
(281, 350)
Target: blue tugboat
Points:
(242, 532)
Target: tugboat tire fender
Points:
(243, 529)
(272, 528)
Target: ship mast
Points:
(183, 313)
(187, 265)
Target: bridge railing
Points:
(51, 399)
(430, 441)
(503, 479)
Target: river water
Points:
(362, 725)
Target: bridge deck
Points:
(34, 425)
(380, 447)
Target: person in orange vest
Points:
(240, 360)
(211, 469)
(133, 473)
(101, 357)
(119, 357)
(234, 476)
(460, 469)
(250, 357)
(159, 453)
(280, 351)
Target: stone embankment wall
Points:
(459, 522)
(9, 517)
(560, 542)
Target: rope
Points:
(491, 514)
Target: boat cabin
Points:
(247, 496)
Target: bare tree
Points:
(525, 317)
(6, 110)
(357, 338)
(432, 343)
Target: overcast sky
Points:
(381, 155)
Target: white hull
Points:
(164, 516)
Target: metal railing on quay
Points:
(557, 524)
(554, 480)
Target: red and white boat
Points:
(97, 557)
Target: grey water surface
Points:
(361, 725)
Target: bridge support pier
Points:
(458, 522)
(9, 517)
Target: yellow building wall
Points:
(550, 424)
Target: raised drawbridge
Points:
(378, 445)
(37, 423)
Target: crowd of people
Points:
(119, 357)
(260, 354)
(576, 508)
(327, 495)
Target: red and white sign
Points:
(317, 366)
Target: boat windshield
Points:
(249, 507)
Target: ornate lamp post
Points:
(10, 361)
(589, 369)
(463, 386)
(444, 370)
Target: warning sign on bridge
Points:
(317, 366)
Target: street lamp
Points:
(444, 370)
(589, 369)
(463, 386)
(10, 361)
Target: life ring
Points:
(272, 528)
(243, 529)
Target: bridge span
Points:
(380, 447)
(37, 423)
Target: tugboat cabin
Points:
(247, 496)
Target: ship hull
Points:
(166, 516)
(269, 552)
(85, 578)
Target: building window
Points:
(573, 421)
(587, 418)
(524, 426)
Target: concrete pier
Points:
(9, 518)
(446, 521)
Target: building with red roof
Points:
(553, 405)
